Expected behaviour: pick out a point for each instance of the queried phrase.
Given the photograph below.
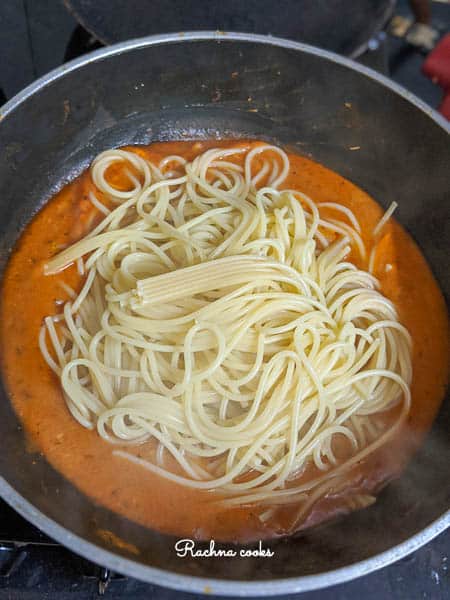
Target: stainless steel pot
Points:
(201, 85)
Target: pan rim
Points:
(219, 36)
(172, 579)
(220, 587)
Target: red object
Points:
(437, 68)
(444, 107)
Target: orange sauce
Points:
(87, 461)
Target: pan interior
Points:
(303, 101)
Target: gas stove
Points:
(36, 36)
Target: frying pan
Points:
(203, 85)
(337, 25)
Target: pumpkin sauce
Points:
(87, 460)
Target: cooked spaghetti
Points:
(220, 316)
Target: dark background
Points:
(35, 37)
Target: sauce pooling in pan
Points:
(90, 463)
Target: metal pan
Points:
(321, 105)
(337, 25)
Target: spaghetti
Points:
(221, 317)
